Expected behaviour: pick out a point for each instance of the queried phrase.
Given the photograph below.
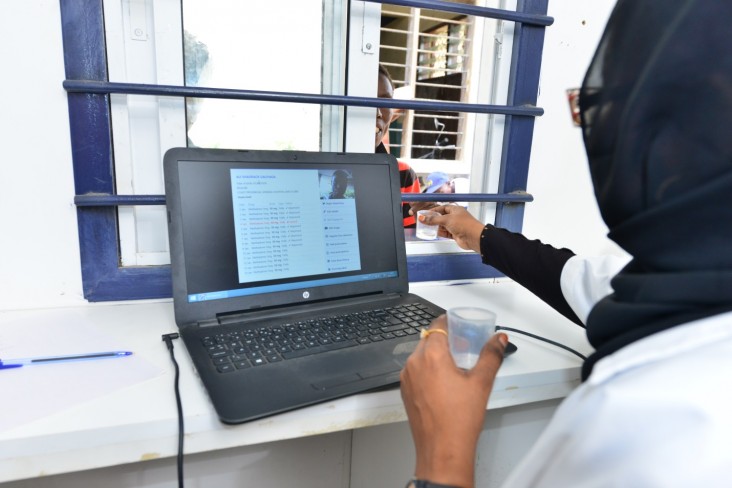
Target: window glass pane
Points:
(243, 45)
(440, 56)
(222, 44)
(253, 46)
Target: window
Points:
(427, 53)
(118, 183)
(222, 51)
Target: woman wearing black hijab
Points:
(654, 407)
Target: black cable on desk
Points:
(168, 339)
(509, 329)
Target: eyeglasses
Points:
(574, 109)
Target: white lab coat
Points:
(657, 413)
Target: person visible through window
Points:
(439, 182)
(384, 118)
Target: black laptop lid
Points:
(251, 230)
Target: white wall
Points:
(39, 257)
(564, 212)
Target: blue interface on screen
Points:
(288, 224)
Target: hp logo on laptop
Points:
(306, 294)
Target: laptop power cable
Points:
(549, 341)
(168, 339)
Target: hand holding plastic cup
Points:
(468, 329)
(424, 231)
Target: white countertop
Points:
(138, 421)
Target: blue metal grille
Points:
(91, 138)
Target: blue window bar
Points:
(89, 91)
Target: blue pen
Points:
(20, 362)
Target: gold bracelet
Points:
(415, 483)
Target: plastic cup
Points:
(424, 231)
(468, 329)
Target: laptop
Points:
(289, 275)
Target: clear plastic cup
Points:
(424, 231)
(468, 329)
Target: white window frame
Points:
(144, 46)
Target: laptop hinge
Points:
(314, 307)
(208, 323)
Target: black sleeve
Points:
(532, 264)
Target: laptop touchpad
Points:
(405, 348)
(328, 383)
(344, 379)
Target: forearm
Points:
(532, 264)
(448, 465)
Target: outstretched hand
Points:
(415, 207)
(446, 406)
(455, 223)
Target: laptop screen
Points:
(266, 228)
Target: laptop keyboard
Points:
(231, 351)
